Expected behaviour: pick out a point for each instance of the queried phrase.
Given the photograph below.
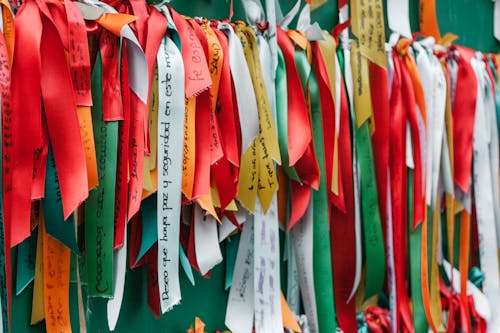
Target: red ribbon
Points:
(197, 77)
(380, 138)
(464, 107)
(7, 164)
(298, 114)
(398, 180)
(225, 171)
(121, 193)
(26, 119)
(376, 320)
(112, 107)
(410, 104)
(342, 233)
(300, 147)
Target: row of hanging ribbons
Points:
(380, 161)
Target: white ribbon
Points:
(496, 20)
(240, 303)
(206, 240)
(311, 31)
(292, 285)
(434, 85)
(302, 235)
(398, 17)
(267, 291)
(355, 169)
(483, 192)
(120, 267)
(284, 21)
(245, 94)
(391, 272)
(170, 141)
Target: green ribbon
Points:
(415, 245)
(149, 216)
(53, 216)
(26, 253)
(373, 239)
(282, 116)
(99, 208)
(322, 260)
(232, 244)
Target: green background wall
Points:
(471, 20)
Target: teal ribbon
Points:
(362, 326)
(26, 254)
(415, 245)
(186, 266)
(232, 244)
(149, 216)
(99, 208)
(53, 216)
(282, 116)
(476, 276)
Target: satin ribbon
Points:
(342, 231)
(98, 209)
(322, 262)
(464, 105)
(56, 273)
(6, 50)
(428, 21)
(170, 139)
(398, 182)
(483, 146)
(373, 238)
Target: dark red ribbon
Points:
(397, 159)
(342, 233)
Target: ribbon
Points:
(342, 231)
(18, 180)
(98, 212)
(484, 126)
(428, 21)
(121, 193)
(240, 304)
(398, 185)
(302, 238)
(267, 291)
(119, 270)
(56, 264)
(6, 49)
(496, 19)
(369, 29)
(55, 225)
(373, 238)
(170, 139)
(398, 17)
(464, 105)
(322, 260)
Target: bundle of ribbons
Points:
(133, 136)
